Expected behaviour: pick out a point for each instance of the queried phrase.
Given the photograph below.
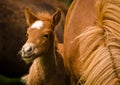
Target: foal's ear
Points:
(30, 18)
(56, 18)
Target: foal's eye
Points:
(46, 36)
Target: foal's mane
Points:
(43, 15)
(99, 47)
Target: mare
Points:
(92, 42)
(80, 15)
(13, 29)
(41, 49)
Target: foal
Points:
(40, 48)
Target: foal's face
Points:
(40, 35)
(40, 38)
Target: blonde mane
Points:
(99, 47)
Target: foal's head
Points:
(40, 34)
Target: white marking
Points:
(27, 46)
(37, 25)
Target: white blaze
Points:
(37, 25)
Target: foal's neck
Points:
(47, 62)
(43, 68)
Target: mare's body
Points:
(92, 42)
(81, 15)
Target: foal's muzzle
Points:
(27, 50)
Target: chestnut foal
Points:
(41, 49)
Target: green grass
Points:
(10, 81)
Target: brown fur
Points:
(47, 67)
(12, 37)
(81, 15)
(94, 53)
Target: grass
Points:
(10, 81)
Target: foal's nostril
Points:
(28, 48)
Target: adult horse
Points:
(13, 28)
(41, 49)
(80, 15)
(92, 42)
